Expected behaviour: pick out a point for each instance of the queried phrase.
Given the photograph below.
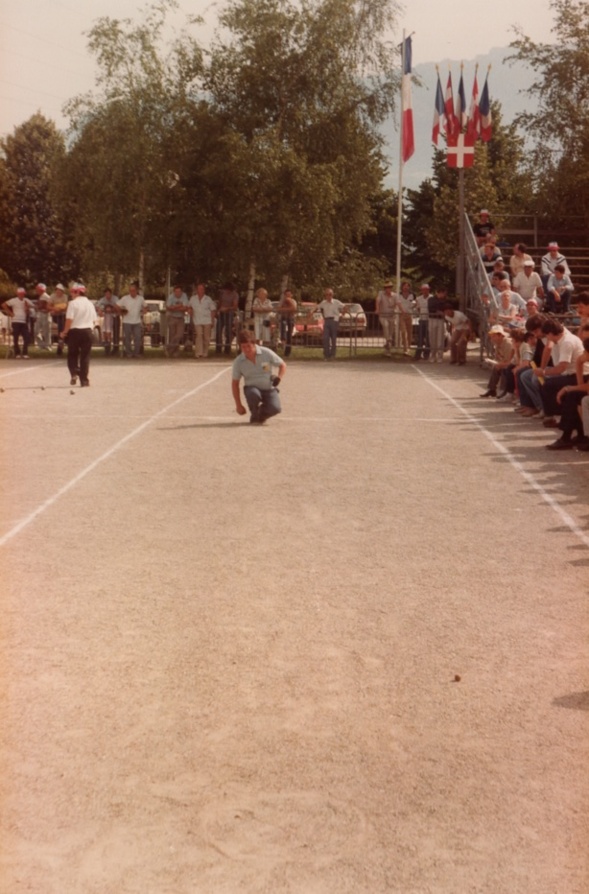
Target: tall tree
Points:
(291, 82)
(560, 155)
(34, 242)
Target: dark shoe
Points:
(73, 380)
(560, 445)
(550, 422)
(489, 393)
(583, 445)
(85, 384)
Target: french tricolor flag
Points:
(408, 138)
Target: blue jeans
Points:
(330, 327)
(262, 404)
(132, 332)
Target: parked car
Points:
(308, 323)
(354, 323)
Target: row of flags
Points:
(462, 127)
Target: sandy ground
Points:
(228, 652)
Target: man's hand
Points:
(241, 410)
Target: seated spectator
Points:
(508, 308)
(569, 397)
(558, 291)
(485, 227)
(549, 262)
(520, 340)
(539, 386)
(504, 351)
(527, 282)
(518, 259)
(584, 412)
(490, 254)
(460, 333)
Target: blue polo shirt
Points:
(258, 373)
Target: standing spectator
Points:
(436, 307)
(332, 309)
(518, 259)
(132, 308)
(484, 228)
(20, 310)
(107, 311)
(80, 320)
(460, 333)
(527, 282)
(262, 308)
(42, 327)
(257, 365)
(405, 304)
(176, 309)
(57, 308)
(558, 291)
(287, 308)
(203, 311)
(385, 309)
(549, 262)
(227, 308)
(421, 302)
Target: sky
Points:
(44, 60)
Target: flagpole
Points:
(400, 195)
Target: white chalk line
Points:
(93, 465)
(30, 367)
(554, 504)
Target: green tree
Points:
(559, 158)
(122, 165)
(34, 227)
(291, 83)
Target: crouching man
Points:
(262, 371)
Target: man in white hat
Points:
(79, 330)
(385, 310)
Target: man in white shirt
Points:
(42, 333)
(527, 282)
(332, 309)
(539, 386)
(385, 308)
(20, 310)
(132, 307)
(80, 320)
(203, 310)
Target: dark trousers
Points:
(286, 326)
(330, 327)
(224, 324)
(20, 330)
(422, 339)
(79, 346)
(570, 421)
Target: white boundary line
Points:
(93, 465)
(554, 504)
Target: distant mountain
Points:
(507, 83)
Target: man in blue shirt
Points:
(256, 365)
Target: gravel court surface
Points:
(229, 651)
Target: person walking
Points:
(80, 320)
